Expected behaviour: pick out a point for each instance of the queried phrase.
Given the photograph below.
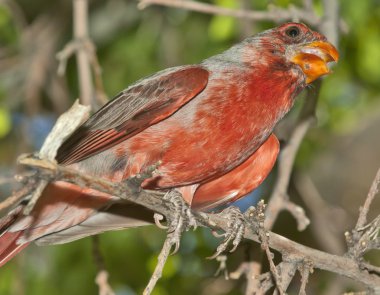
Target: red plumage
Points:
(210, 126)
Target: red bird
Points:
(210, 126)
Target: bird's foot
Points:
(181, 219)
(234, 233)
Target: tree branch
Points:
(153, 200)
(162, 258)
(87, 61)
(305, 269)
(274, 14)
(102, 277)
(17, 196)
(83, 61)
(279, 196)
(365, 237)
(362, 220)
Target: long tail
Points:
(66, 212)
(10, 248)
(8, 240)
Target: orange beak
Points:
(313, 58)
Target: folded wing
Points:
(143, 104)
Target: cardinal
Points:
(208, 125)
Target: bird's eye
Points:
(292, 32)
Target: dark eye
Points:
(292, 32)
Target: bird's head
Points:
(296, 46)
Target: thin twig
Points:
(102, 276)
(299, 215)
(16, 196)
(245, 24)
(331, 23)
(371, 268)
(250, 267)
(285, 167)
(305, 270)
(102, 281)
(83, 61)
(365, 237)
(273, 269)
(264, 235)
(362, 220)
(64, 55)
(97, 254)
(287, 270)
(87, 59)
(101, 95)
(274, 14)
(222, 259)
(162, 258)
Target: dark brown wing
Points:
(145, 103)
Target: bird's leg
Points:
(235, 231)
(181, 219)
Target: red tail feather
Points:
(61, 206)
(8, 240)
(9, 247)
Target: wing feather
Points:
(143, 104)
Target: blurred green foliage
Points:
(5, 122)
(8, 34)
(222, 28)
(132, 44)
